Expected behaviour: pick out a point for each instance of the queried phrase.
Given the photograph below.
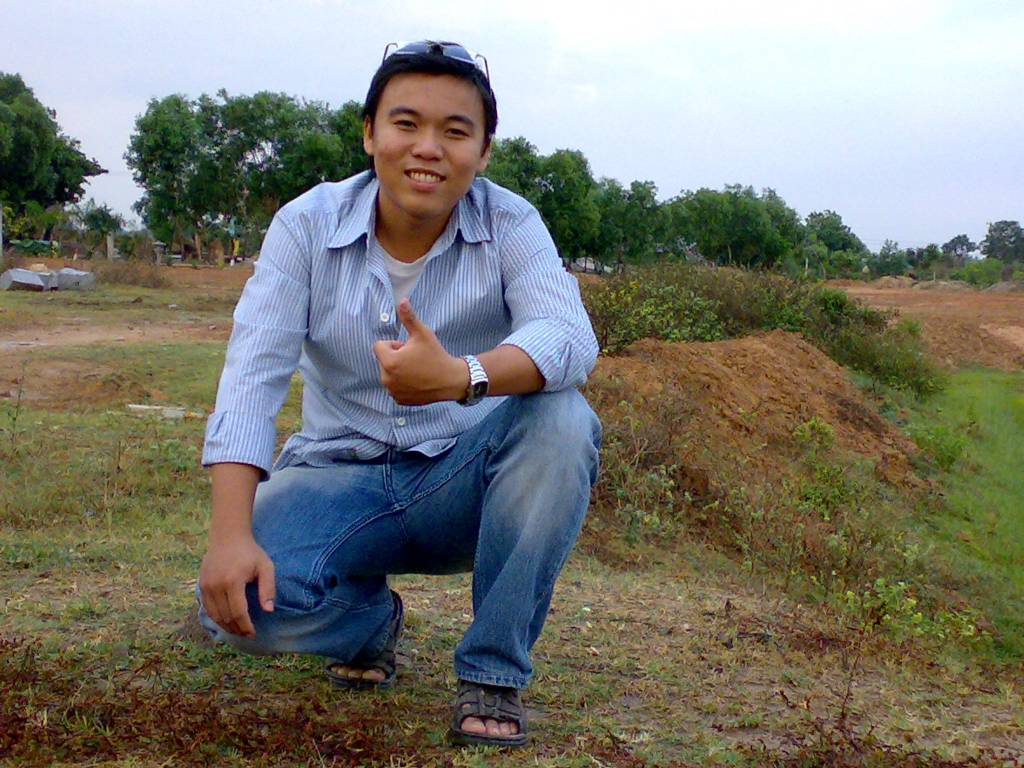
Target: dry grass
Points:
(656, 652)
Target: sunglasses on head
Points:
(438, 48)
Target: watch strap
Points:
(478, 382)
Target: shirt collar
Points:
(469, 217)
(358, 219)
(471, 213)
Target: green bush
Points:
(943, 444)
(981, 273)
(638, 493)
(37, 248)
(624, 309)
(894, 357)
(681, 302)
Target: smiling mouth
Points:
(424, 177)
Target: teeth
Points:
(426, 177)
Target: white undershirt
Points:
(403, 275)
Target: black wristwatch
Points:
(478, 383)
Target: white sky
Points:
(905, 116)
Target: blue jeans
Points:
(506, 502)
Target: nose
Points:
(427, 145)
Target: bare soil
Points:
(741, 406)
(960, 327)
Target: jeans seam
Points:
(427, 491)
(486, 445)
(337, 541)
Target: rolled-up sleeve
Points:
(549, 321)
(270, 324)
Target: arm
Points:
(549, 322)
(233, 557)
(419, 371)
(270, 325)
(510, 371)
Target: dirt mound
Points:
(739, 402)
(1011, 334)
(1006, 286)
(891, 281)
(942, 285)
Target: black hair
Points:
(433, 64)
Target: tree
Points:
(163, 154)
(736, 225)
(98, 221)
(924, 258)
(567, 201)
(34, 222)
(38, 163)
(958, 249)
(828, 228)
(1004, 241)
(516, 165)
(223, 165)
(630, 222)
(613, 229)
(890, 260)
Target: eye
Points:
(458, 133)
(405, 124)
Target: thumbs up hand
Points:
(419, 371)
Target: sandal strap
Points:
(496, 702)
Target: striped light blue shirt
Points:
(321, 296)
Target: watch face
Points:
(479, 390)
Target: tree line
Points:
(215, 169)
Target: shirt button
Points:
(385, 317)
(400, 421)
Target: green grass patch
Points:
(101, 465)
(973, 434)
(184, 373)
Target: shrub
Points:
(980, 273)
(815, 434)
(894, 357)
(941, 443)
(682, 302)
(645, 489)
(136, 273)
(624, 309)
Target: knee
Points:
(563, 423)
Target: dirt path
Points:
(61, 383)
(76, 336)
(961, 327)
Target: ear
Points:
(368, 136)
(485, 158)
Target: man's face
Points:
(427, 142)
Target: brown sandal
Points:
(483, 701)
(384, 661)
